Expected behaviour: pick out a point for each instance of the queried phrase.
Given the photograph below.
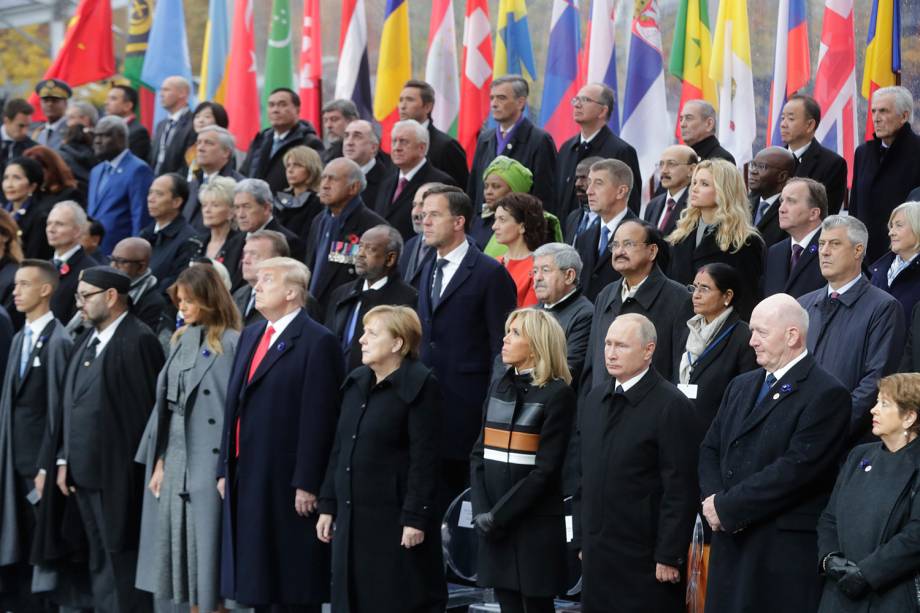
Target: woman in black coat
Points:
(296, 206)
(898, 271)
(716, 227)
(381, 480)
(869, 534)
(516, 467)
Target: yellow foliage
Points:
(23, 62)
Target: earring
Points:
(726, 304)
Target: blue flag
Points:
(167, 50)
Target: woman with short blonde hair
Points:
(402, 323)
(296, 206)
(898, 271)
(222, 241)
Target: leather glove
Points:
(835, 565)
(485, 525)
(853, 585)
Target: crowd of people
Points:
(257, 375)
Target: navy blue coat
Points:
(288, 412)
(805, 277)
(121, 205)
(906, 286)
(460, 338)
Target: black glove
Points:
(835, 565)
(485, 525)
(853, 585)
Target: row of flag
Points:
(711, 65)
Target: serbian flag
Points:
(690, 55)
(441, 66)
(600, 48)
(835, 82)
(730, 67)
(87, 53)
(475, 75)
(394, 67)
(645, 110)
(791, 63)
(561, 79)
(883, 53)
(242, 103)
(353, 81)
(311, 66)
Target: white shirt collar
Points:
(115, 161)
(369, 166)
(771, 199)
(178, 114)
(38, 325)
(456, 256)
(626, 291)
(549, 307)
(377, 284)
(798, 153)
(807, 239)
(425, 123)
(781, 372)
(676, 197)
(3, 134)
(631, 382)
(106, 335)
(281, 136)
(411, 174)
(588, 139)
(615, 221)
(67, 254)
(845, 287)
(282, 323)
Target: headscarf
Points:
(516, 175)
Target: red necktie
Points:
(403, 182)
(257, 358)
(666, 216)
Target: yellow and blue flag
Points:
(394, 67)
(214, 54)
(513, 49)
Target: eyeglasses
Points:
(671, 164)
(579, 100)
(760, 166)
(81, 298)
(701, 289)
(627, 244)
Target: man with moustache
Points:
(416, 253)
(582, 217)
(769, 171)
(675, 170)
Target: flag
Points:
(835, 82)
(883, 53)
(441, 66)
(242, 94)
(213, 84)
(167, 49)
(690, 55)
(394, 67)
(87, 53)
(791, 63)
(279, 63)
(141, 18)
(476, 75)
(513, 51)
(561, 78)
(645, 109)
(311, 66)
(354, 77)
(730, 67)
(602, 55)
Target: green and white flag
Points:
(279, 59)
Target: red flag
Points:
(475, 75)
(311, 66)
(242, 102)
(87, 53)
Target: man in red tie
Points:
(674, 169)
(282, 403)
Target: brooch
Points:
(281, 346)
(206, 353)
(786, 388)
(41, 342)
(813, 249)
(64, 269)
(865, 464)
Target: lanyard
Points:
(710, 346)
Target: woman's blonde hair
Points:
(547, 342)
(733, 213)
(911, 212)
(309, 159)
(401, 322)
(904, 390)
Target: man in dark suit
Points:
(411, 171)
(675, 170)
(172, 239)
(14, 135)
(31, 385)
(642, 289)
(698, 130)
(334, 234)
(464, 298)
(108, 392)
(582, 217)
(214, 153)
(336, 115)
(378, 283)
(361, 145)
(66, 223)
(638, 490)
(416, 253)
(253, 201)
(885, 169)
(515, 137)
(767, 467)
(609, 184)
(416, 101)
(132, 257)
(265, 159)
(791, 265)
(175, 134)
(118, 184)
(123, 101)
(769, 171)
(856, 331)
(261, 245)
(591, 111)
(800, 119)
(282, 404)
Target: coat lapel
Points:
(810, 253)
(36, 350)
(282, 346)
(783, 389)
(462, 274)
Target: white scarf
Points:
(701, 334)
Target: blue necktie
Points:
(26, 351)
(605, 239)
(352, 324)
(322, 249)
(104, 178)
(765, 388)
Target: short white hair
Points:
(79, 215)
(903, 100)
(421, 133)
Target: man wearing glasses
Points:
(674, 170)
(768, 173)
(592, 110)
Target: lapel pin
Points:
(281, 346)
(865, 464)
(786, 388)
(206, 353)
(813, 249)
(775, 396)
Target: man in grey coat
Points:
(856, 331)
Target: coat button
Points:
(348, 469)
(730, 474)
(212, 421)
(215, 451)
(354, 436)
(364, 405)
(735, 444)
(348, 502)
(207, 392)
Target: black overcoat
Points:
(829, 169)
(780, 277)
(905, 287)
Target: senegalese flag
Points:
(690, 53)
(213, 84)
(279, 61)
(394, 67)
(883, 53)
(141, 19)
(513, 49)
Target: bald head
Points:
(131, 256)
(771, 169)
(779, 327)
(174, 93)
(676, 166)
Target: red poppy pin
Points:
(353, 239)
(64, 268)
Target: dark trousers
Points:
(16, 580)
(455, 478)
(112, 573)
(515, 602)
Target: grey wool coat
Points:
(207, 384)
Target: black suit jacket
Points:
(410, 265)
(805, 277)
(171, 249)
(191, 210)
(295, 244)
(769, 226)
(597, 272)
(709, 149)
(828, 168)
(530, 146)
(138, 139)
(398, 213)
(657, 204)
(446, 154)
(605, 144)
(261, 164)
(62, 302)
(10, 150)
(342, 305)
(183, 136)
(375, 178)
